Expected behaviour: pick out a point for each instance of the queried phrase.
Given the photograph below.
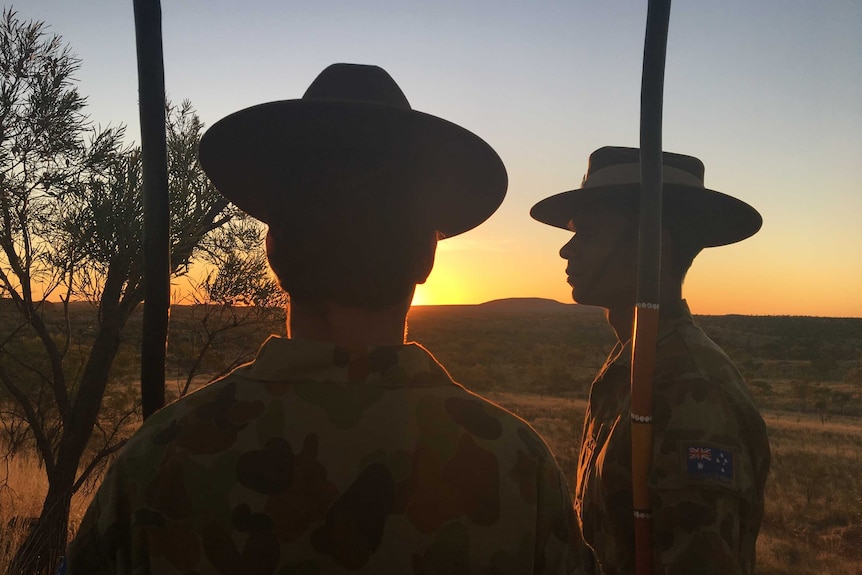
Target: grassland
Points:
(813, 516)
(804, 372)
(537, 359)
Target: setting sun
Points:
(420, 297)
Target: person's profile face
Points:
(602, 259)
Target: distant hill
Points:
(534, 305)
(505, 305)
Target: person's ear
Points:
(269, 241)
(426, 262)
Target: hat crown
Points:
(613, 156)
(357, 83)
(353, 132)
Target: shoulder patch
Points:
(708, 462)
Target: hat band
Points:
(625, 174)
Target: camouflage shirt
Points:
(710, 460)
(316, 459)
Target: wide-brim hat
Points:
(705, 216)
(353, 132)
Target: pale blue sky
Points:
(768, 94)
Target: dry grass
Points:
(23, 486)
(813, 521)
(813, 516)
(21, 497)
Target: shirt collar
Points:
(282, 359)
(670, 319)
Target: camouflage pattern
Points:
(710, 460)
(318, 459)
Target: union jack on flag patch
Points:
(710, 463)
(700, 453)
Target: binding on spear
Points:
(151, 95)
(646, 312)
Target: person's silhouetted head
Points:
(604, 216)
(356, 186)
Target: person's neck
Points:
(621, 318)
(348, 326)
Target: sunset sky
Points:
(768, 94)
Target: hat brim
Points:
(707, 217)
(272, 157)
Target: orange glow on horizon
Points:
(420, 297)
(713, 287)
(734, 280)
(442, 289)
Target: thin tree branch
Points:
(30, 414)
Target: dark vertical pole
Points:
(646, 311)
(151, 94)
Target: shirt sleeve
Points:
(93, 551)
(702, 480)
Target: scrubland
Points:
(538, 359)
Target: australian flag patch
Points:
(709, 462)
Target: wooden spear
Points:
(646, 311)
(151, 95)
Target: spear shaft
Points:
(646, 312)
(151, 94)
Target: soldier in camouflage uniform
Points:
(340, 449)
(710, 454)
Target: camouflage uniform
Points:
(316, 459)
(710, 460)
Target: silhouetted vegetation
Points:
(71, 230)
(804, 364)
(494, 348)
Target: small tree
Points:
(70, 229)
(227, 309)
